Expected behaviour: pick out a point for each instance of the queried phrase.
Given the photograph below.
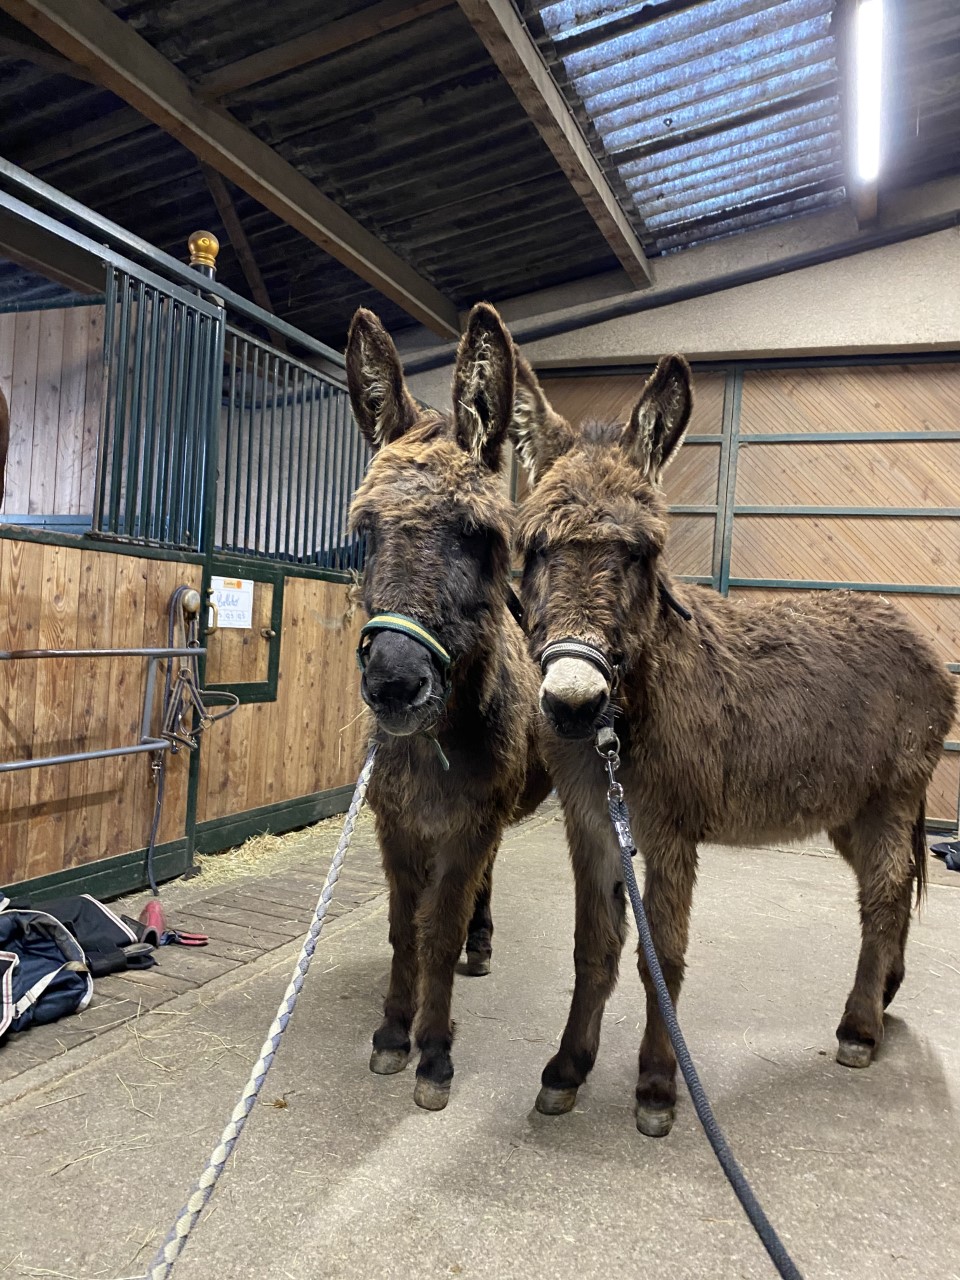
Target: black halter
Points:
(571, 647)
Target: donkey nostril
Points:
(573, 717)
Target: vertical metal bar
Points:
(131, 503)
(332, 460)
(303, 536)
(189, 527)
(146, 505)
(730, 489)
(240, 347)
(209, 483)
(262, 537)
(174, 514)
(288, 418)
(230, 444)
(302, 436)
(316, 538)
(351, 488)
(327, 466)
(726, 414)
(108, 366)
(342, 463)
(296, 452)
(120, 406)
(273, 466)
(310, 479)
(165, 435)
(247, 545)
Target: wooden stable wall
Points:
(60, 817)
(310, 738)
(912, 473)
(51, 371)
(738, 544)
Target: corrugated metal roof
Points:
(713, 116)
(922, 120)
(413, 132)
(708, 117)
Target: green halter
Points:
(407, 627)
(416, 631)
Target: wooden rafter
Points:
(241, 246)
(508, 43)
(88, 33)
(330, 38)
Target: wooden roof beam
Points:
(512, 49)
(88, 33)
(330, 38)
(241, 246)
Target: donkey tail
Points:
(920, 852)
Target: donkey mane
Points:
(601, 431)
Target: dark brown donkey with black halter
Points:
(446, 674)
(739, 722)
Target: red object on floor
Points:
(152, 916)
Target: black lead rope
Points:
(608, 747)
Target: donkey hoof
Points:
(387, 1062)
(854, 1053)
(555, 1102)
(655, 1122)
(478, 963)
(429, 1095)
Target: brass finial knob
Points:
(204, 247)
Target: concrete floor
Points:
(340, 1175)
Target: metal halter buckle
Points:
(608, 748)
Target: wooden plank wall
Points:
(67, 597)
(311, 738)
(914, 551)
(51, 374)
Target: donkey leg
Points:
(480, 929)
(667, 896)
(442, 928)
(881, 854)
(391, 1040)
(598, 941)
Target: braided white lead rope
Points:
(162, 1264)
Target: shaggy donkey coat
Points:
(749, 722)
(437, 523)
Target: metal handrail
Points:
(142, 249)
(8, 655)
(147, 742)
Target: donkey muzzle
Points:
(401, 684)
(576, 687)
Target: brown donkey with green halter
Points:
(739, 722)
(446, 674)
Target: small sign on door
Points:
(234, 600)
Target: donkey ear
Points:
(483, 385)
(538, 433)
(660, 417)
(382, 405)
